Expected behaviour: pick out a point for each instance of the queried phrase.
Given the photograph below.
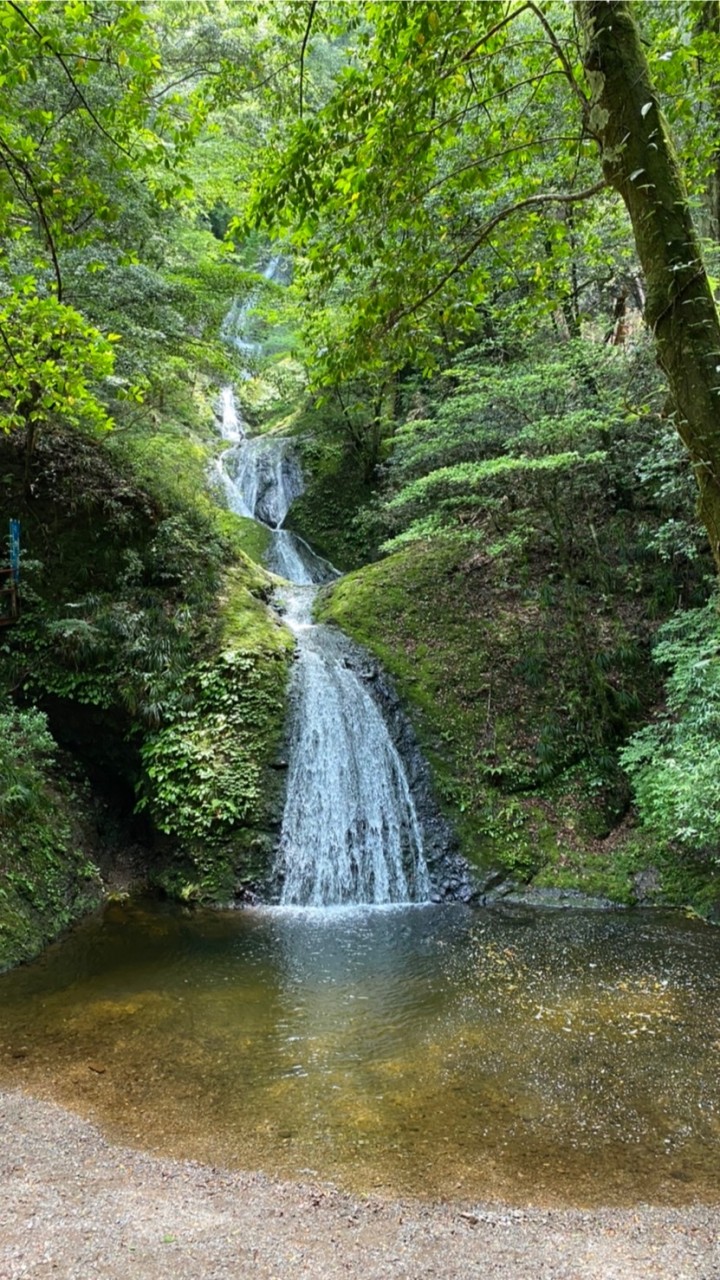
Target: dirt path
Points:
(74, 1207)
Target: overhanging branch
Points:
(306, 37)
(531, 202)
(76, 87)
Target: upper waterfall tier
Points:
(239, 326)
(232, 426)
(263, 479)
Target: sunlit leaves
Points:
(675, 762)
(448, 116)
(51, 360)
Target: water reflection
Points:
(436, 1051)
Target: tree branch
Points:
(570, 75)
(10, 351)
(306, 37)
(497, 155)
(59, 58)
(549, 197)
(39, 207)
(467, 55)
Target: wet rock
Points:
(647, 885)
(452, 877)
(559, 899)
(496, 878)
(713, 914)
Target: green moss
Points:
(43, 890)
(246, 537)
(47, 876)
(330, 514)
(449, 649)
(633, 867)
(498, 696)
(208, 780)
(245, 622)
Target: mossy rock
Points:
(328, 514)
(209, 783)
(49, 876)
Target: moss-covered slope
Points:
(209, 778)
(497, 683)
(147, 642)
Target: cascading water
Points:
(350, 833)
(236, 325)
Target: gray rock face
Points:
(647, 885)
(557, 899)
(264, 477)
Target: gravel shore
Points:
(75, 1207)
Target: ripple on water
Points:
(429, 1050)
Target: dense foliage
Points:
(674, 761)
(47, 870)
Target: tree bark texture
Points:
(639, 161)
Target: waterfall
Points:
(232, 426)
(237, 323)
(350, 833)
(290, 557)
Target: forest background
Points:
(498, 355)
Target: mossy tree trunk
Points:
(639, 161)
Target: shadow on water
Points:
(437, 1051)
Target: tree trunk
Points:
(639, 161)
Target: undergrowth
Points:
(48, 875)
(146, 642)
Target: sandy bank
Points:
(72, 1205)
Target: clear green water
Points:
(438, 1051)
